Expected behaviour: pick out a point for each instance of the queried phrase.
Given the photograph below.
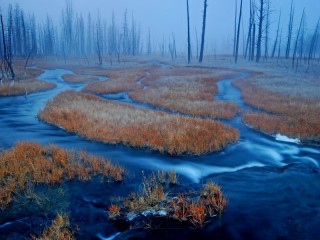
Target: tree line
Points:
(297, 44)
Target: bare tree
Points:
(238, 33)
(261, 17)
(235, 28)
(203, 30)
(277, 38)
(188, 21)
(290, 25)
(313, 43)
(297, 39)
(249, 31)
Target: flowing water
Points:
(272, 187)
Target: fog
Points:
(167, 17)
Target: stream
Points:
(272, 186)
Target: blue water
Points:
(273, 187)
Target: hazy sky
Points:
(169, 16)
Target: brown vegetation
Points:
(25, 81)
(106, 121)
(27, 164)
(76, 78)
(24, 87)
(190, 208)
(207, 205)
(58, 230)
(188, 90)
(118, 81)
(295, 116)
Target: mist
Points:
(165, 18)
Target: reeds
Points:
(289, 114)
(210, 203)
(58, 230)
(153, 195)
(109, 122)
(76, 78)
(27, 164)
(185, 90)
(24, 87)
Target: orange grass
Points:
(118, 81)
(294, 116)
(27, 164)
(207, 205)
(24, 87)
(58, 230)
(110, 122)
(113, 211)
(150, 195)
(197, 210)
(188, 90)
(25, 81)
(75, 78)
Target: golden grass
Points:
(188, 90)
(58, 230)
(208, 204)
(109, 122)
(190, 208)
(294, 116)
(76, 78)
(25, 81)
(27, 164)
(119, 81)
(24, 87)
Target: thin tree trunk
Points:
(203, 30)
(296, 43)
(189, 45)
(290, 30)
(238, 33)
(277, 36)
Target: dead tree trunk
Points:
(276, 40)
(238, 33)
(249, 32)
(259, 41)
(235, 28)
(189, 45)
(288, 48)
(203, 30)
(297, 39)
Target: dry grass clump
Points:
(25, 81)
(75, 78)
(113, 211)
(106, 121)
(190, 208)
(186, 90)
(58, 230)
(27, 164)
(151, 194)
(119, 81)
(294, 116)
(24, 87)
(209, 204)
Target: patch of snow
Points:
(99, 235)
(153, 212)
(284, 138)
(131, 216)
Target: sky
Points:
(165, 17)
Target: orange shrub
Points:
(106, 121)
(294, 116)
(27, 164)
